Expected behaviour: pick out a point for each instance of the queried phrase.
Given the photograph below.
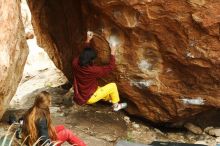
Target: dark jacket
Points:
(42, 128)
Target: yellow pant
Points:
(108, 92)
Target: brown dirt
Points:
(98, 125)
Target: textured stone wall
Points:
(168, 62)
(59, 30)
(13, 50)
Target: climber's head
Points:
(87, 56)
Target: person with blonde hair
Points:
(38, 124)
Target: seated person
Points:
(38, 123)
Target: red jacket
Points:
(86, 78)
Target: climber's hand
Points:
(89, 36)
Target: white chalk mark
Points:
(142, 83)
(113, 40)
(195, 101)
(144, 65)
(190, 55)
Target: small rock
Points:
(193, 128)
(59, 115)
(135, 125)
(218, 140)
(214, 132)
(127, 119)
(98, 111)
(54, 110)
(208, 128)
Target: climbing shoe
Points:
(119, 106)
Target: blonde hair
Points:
(40, 110)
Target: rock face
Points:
(13, 50)
(168, 62)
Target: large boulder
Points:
(13, 50)
(168, 62)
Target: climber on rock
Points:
(86, 73)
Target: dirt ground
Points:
(98, 125)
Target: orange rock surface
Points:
(168, 62)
